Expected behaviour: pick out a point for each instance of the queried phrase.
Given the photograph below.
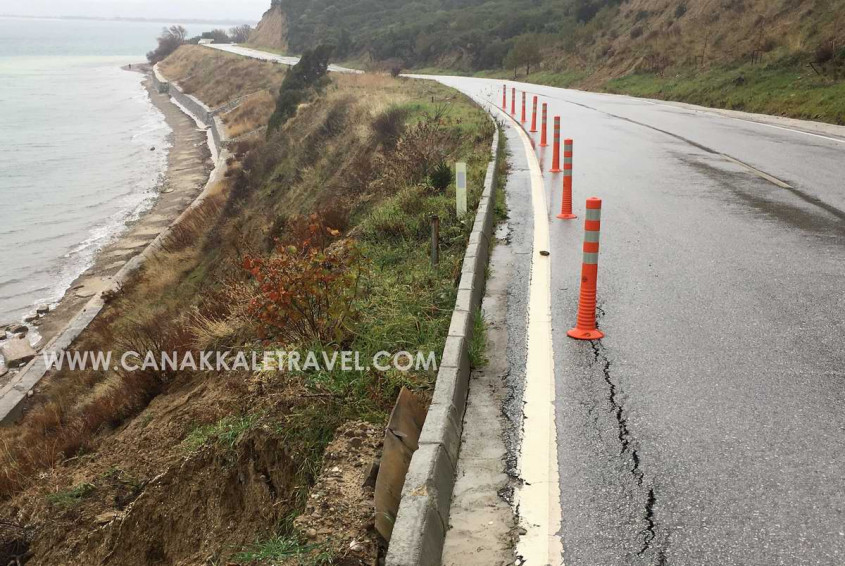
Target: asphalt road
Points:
(708, 426)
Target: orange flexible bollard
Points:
(556, 155)
(504, 97)
(513, 101)
(544, 142)
(585, 328)
(566, 199)
(534, 117)
(523, 107)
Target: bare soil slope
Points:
(272, 30)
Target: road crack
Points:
(628, 449)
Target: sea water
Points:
(76, 157)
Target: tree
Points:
(216, 35)
(525, 51)
(240, 34)
(177, 32)
(299, 83)
(511, 61)
(168, 42)
(344, 43)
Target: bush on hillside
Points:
(302, 80)
(307, 293)
(217, 36)
(389, 126)
(441, 176)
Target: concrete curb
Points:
(16, 391)
(423, 517)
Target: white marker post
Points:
(461, 188)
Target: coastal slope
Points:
(341, 194)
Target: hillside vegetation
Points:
(316, 240)
(744, 54)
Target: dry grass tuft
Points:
(250, 115)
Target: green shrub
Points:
(71, 496)
(441, 176)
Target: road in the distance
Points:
(708, 427)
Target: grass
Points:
(252, 114)
(285, 548)
(72, 496)
(267, 49)
(563, 79)
(771, 89)
(478, 343)
(225, 432)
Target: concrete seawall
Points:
(194, 107)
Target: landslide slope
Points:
(192, 465)
(272, 31)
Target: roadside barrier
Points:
(544, 142)
(504, 97)
(523, 107)
(566, 199)
(513, 101)
(585, 327)
(534, 117)
(556, 156)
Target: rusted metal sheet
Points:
(401, 440)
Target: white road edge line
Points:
(538, 500)
(793, 130)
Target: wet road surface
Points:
(707, 427)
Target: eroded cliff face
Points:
(272, 30)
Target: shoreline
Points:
(188, 170)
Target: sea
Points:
(76, 132)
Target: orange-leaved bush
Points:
(307, 292)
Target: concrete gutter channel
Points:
(423, 517)
(13, 394)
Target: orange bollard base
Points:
(585, 334)
(544, 144)
(566, 216)
(557, 170)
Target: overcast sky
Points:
(236, 10)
